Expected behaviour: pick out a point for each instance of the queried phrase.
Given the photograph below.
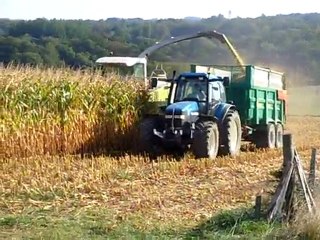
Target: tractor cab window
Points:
(191, 89)
(216, 95)
(216, 92)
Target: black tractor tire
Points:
(206, 140)
(148, 143)
(279, 135)
(266, 138)
(230, 134)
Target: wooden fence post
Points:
(284, 191)
(312, 173)
(288, 150)
(257, 207)
(288, 156)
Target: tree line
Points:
(288, 43)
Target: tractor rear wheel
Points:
(230, 141)
(148, 143)
(206, 140)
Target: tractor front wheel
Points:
(148, 144)
(231, 134)
(206, 140)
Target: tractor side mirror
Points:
(226, 81)
(154, 82)
(174, 74)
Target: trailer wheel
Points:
(206, 140)
(279, 135)
(147, 141)
(266, 138)
(230, 141)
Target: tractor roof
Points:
(128, 61)
(199, 75)
(193, 75)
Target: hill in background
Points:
(288, 43)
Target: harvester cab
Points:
(196, 111)
(136, 67)
(128, 66)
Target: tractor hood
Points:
(183, 108)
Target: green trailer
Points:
(260, 97)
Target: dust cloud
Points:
(304, 100)
(303, 94)
(303, 91)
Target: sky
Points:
(150, 9)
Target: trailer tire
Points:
(206, 140)
(266, 138)
(148, 144)
(230, 141)
(279, 135)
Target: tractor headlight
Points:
(175, 116)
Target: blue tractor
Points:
(196, 117)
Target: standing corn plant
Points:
(50, 111)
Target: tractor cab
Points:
(201, 89)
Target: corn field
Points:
(45, 113)
(61, 111)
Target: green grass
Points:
(97, 224)
(234, 224)
(103, 224)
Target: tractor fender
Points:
(221, 111)
(208, 118)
